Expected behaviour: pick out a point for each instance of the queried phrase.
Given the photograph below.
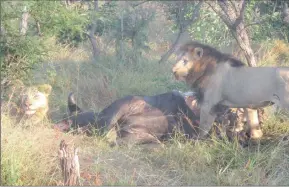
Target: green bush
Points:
(18, 55)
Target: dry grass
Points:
(275, 53)
(29, 156)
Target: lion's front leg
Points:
(207, 118)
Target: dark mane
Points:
(212, 52)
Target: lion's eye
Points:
(185, 61)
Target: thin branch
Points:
(254, 23)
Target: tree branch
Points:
(241, 15)
(24, 21)
(254, 23)
(91, 36)
(195, 15)
(224, 17)
(233, 3)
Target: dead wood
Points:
(69, 164)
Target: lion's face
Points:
(33, 100)
(186, 61)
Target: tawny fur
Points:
(223, 80)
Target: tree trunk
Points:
(95, 50)
(241, 36)
(232, 14)
(121, 40)
(69, 164)
(24, 21)
(167, 55)
(92, 39)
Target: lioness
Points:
(221, 79)
(145, 119)
(32, 104)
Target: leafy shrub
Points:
(18, 53)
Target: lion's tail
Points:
(72, 106)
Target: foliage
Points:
(68, 24)
(43, 12)
(105, 18)
(264, 20)
(205, 29)
(209, 28)
(131, 30)
(18, 53)
(71, 25)
(178, 12)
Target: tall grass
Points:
(29, 157)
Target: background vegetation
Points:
(104, 50)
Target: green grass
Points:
(29, 157)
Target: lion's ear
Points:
(198, 53)
(44, 88)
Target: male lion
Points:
(220, 79)
(32, 104)
(144, 119)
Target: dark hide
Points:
(143, 119)
(77, 118)
(151, 117)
